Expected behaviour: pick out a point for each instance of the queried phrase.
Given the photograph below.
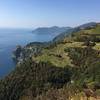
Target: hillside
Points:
(58, 70)
(56, 53)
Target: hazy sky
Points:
(36, 13)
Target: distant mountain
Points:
(50, 30)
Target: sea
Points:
(10, 38)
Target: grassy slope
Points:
(95, 30)
(58, 56)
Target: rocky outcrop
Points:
(21, 54)
(17, 53)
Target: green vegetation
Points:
(57, 70)
(57, 54)
(32, 79)
(88, 34)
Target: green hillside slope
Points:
(64, 70)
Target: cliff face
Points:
(17, 53)
(21, 54)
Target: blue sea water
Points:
(9, 38)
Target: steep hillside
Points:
(62, 70)
(88, 34)
(81, 51)
(88, 37)
(32, 79)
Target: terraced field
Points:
(57, 55)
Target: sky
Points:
(42, 13)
